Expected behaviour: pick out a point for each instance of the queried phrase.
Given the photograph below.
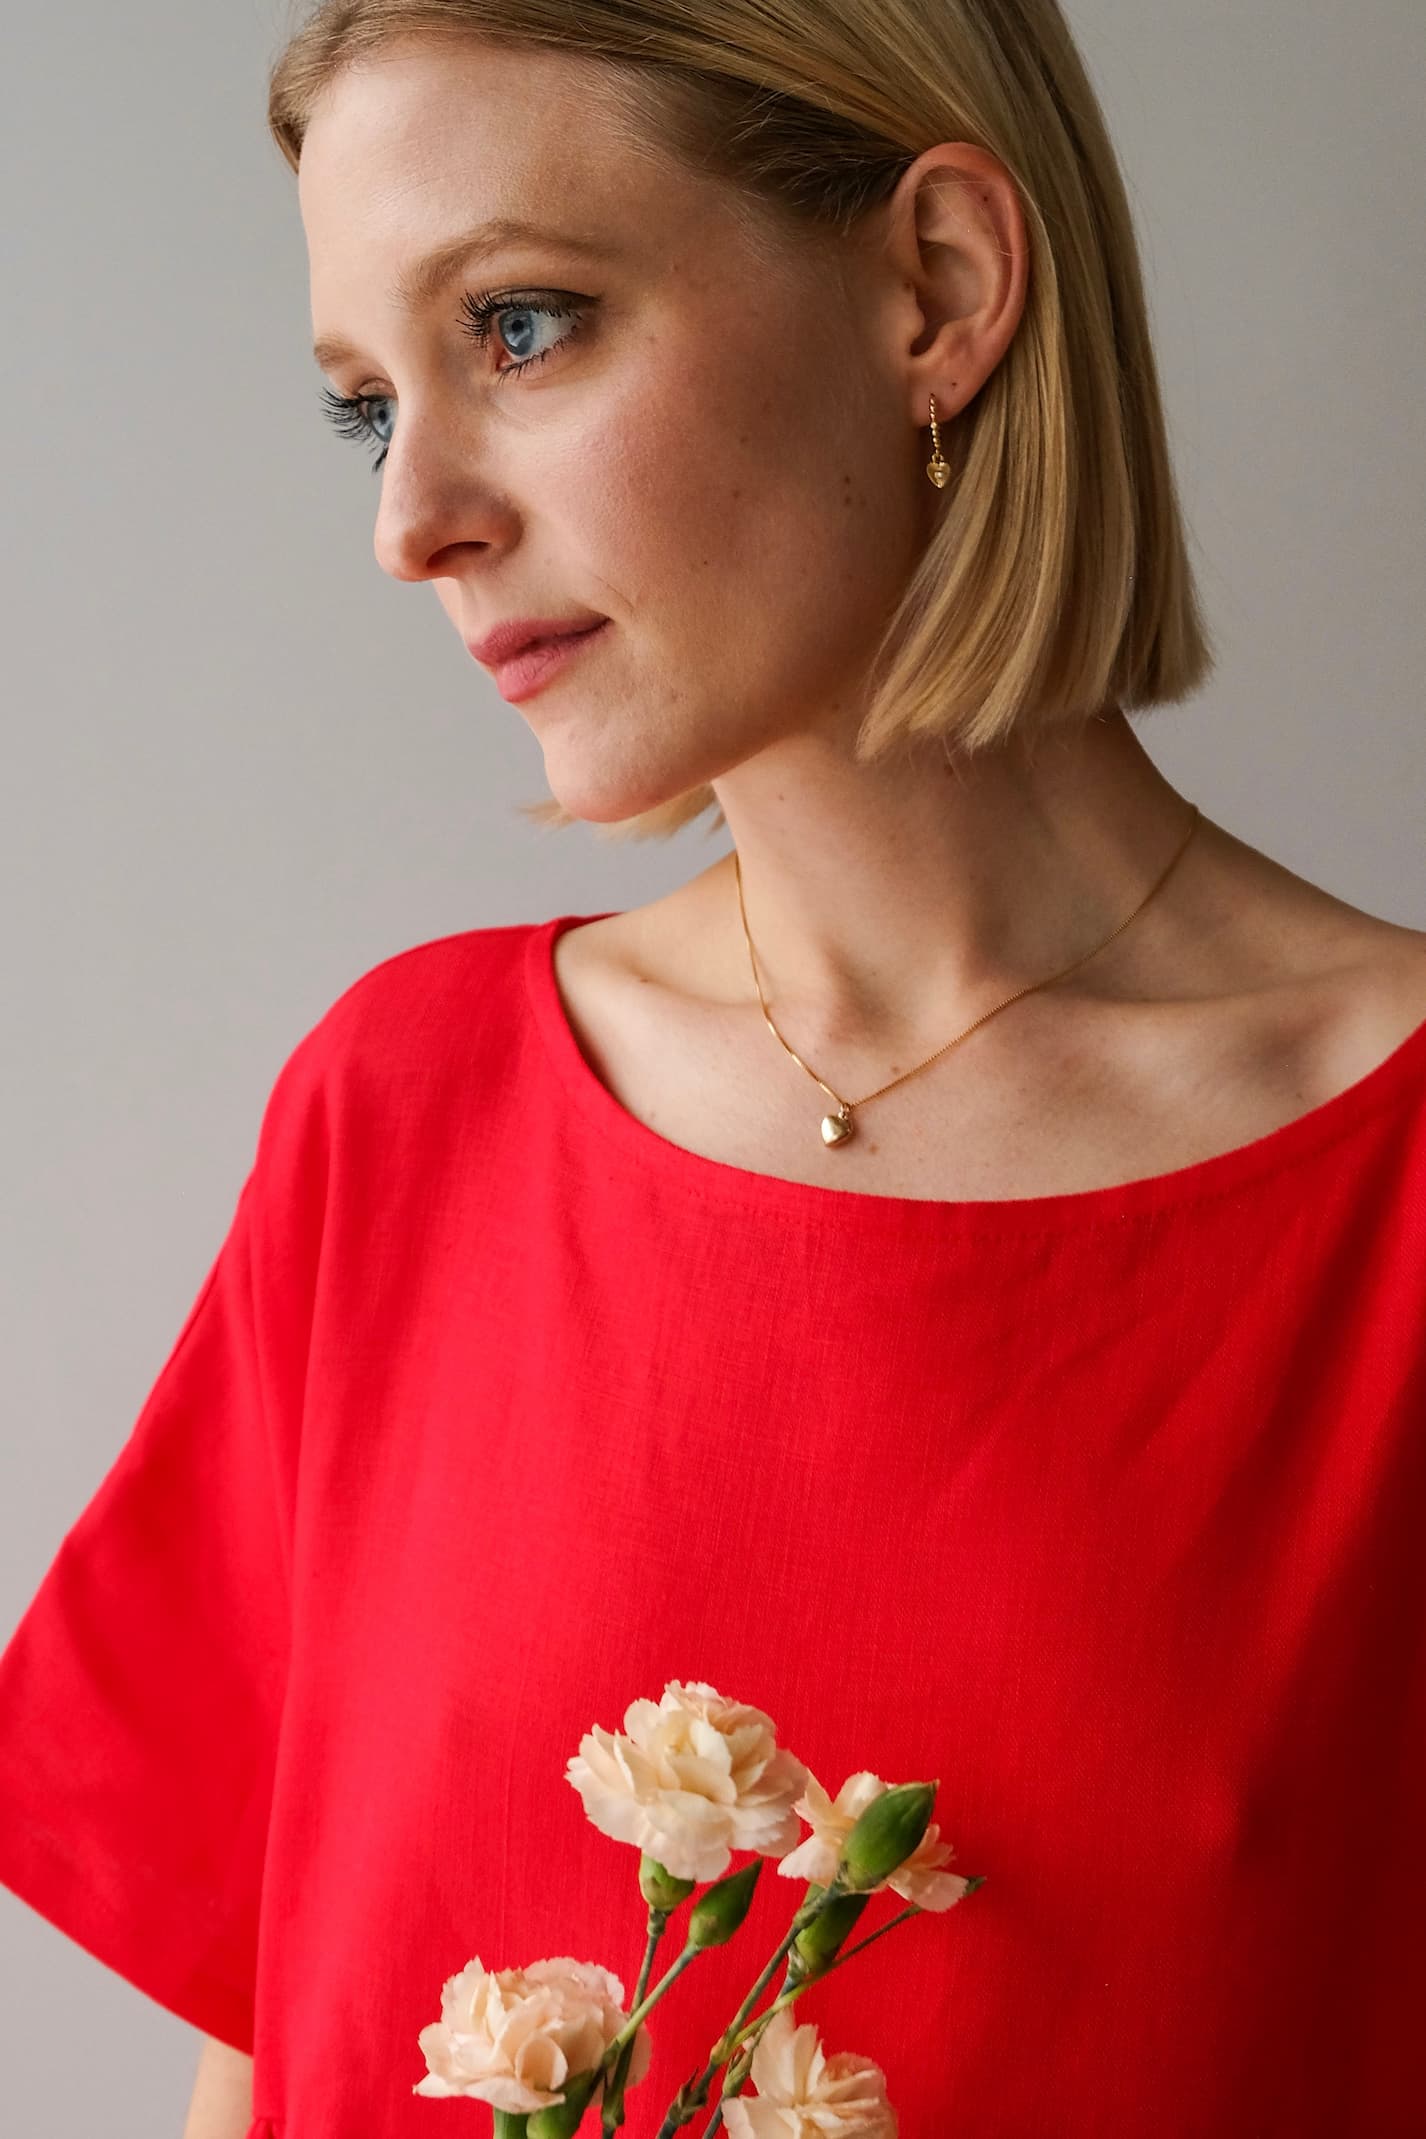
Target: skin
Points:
(221, 2106)
(728, 462)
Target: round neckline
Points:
(717, 1180)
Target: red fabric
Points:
(498, 1410)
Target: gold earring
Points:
(938, 469)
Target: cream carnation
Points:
(691, 1778)
(801, 2094)
(515, 2036)
(832, 1820)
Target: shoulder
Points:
(1375, 997)
(1298, 993)
(435, 1018)
(442, 985)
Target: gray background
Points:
(242, 765)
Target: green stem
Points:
(694, 2093)
(727, 2041)
(871, 1939)
(658, 1924)
(735, 2079)
(750, 2035)
(795, 1990)
(510, 2124)
(742, 2063)
(743, 2035)
(665, 1983)
(611, 2114)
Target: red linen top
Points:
(498, 1410)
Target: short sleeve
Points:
(141, 1693)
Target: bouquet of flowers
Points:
(689, 1780)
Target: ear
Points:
(956, 242)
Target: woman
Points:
(949, 1274)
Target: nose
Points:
(434, 507)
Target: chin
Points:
(602, 807)
(606, 800)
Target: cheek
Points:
(743, 524)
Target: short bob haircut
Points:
(1057, 581)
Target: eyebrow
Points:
(418, 285)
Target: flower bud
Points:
(716, 1915)
(659, 1887)
(887, 1833)
(819, 1942)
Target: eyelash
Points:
(347, 412)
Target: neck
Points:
(881, 900)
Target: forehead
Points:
(432, 136)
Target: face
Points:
(689, 430)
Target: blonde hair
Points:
(1057, 579)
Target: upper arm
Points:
(141, 1693)
(222, 2104)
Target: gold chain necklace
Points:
(838, 1128)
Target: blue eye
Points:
(477, 314)
(348, 413)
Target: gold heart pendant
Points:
(835, 1129)
(939, 472)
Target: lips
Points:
(520, 675)
(506, 640)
